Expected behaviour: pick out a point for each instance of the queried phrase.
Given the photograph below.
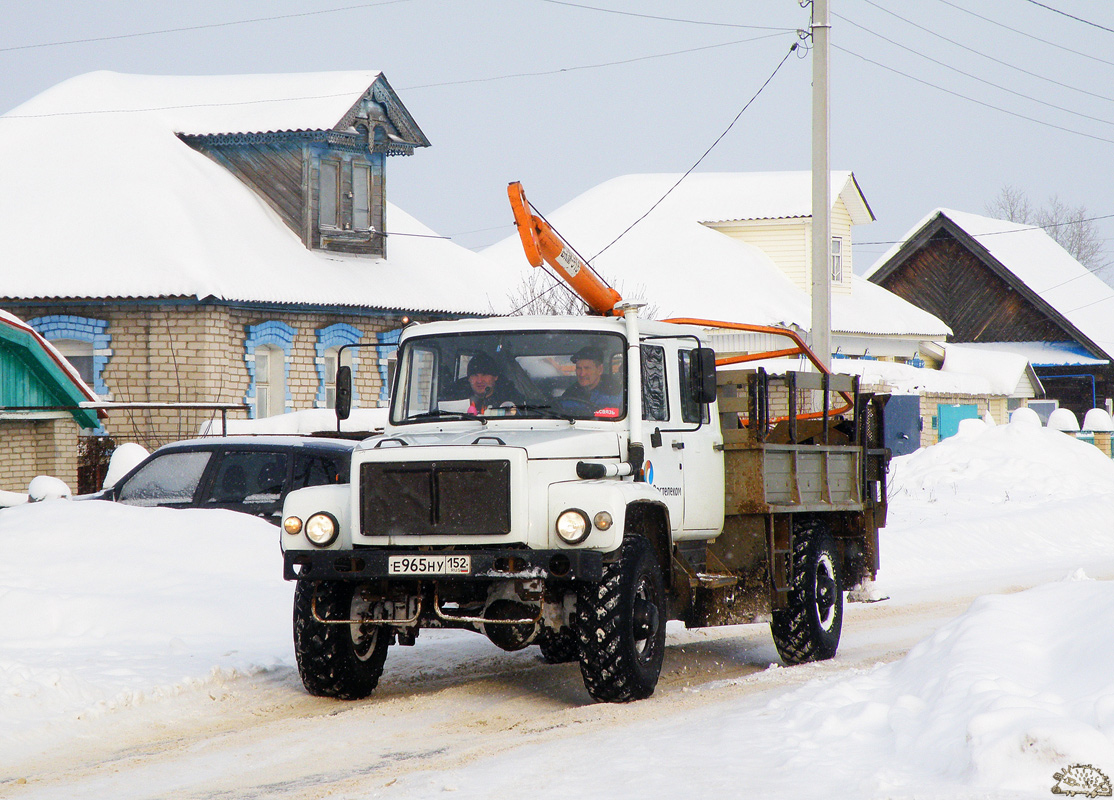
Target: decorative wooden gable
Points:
(328, 185)
(32, 377)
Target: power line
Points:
(666, 19)
(971, 99)
(619, 62)
(198, 27)
(984, 55)
(706, 152)
(1027, 35)
(403, 88)
(1030, 227)
(1071, 16)
(972, 77)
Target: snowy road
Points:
(145, 653)
(264, 737)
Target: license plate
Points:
(429, 565)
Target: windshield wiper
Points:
(546, 411)
(440, 414)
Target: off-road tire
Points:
(620, 626)
(341, 661)
(809, 629)
(558, 646)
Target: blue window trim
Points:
(82, 329)
(388, 344)
(328, 338)
(277, 334)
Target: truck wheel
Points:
(620, 626)
(341, 661)
(558, 646)
(808, 630)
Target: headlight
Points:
(573, 526)
(292, 525)
(602, 521)
(322, 529)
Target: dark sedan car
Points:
(251, 474)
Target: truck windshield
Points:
(532, 374)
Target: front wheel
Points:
(341, 660)
(620, 626)
(809, 629)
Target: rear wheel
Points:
(809, 629)
(620, 626)
(337, 660)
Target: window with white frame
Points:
(270, 381)
(330, 373)
(79, 354)
(837, 259)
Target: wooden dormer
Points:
(327, 184)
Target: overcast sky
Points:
(564, 95)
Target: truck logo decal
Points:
(648, 471)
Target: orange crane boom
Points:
(541, 243)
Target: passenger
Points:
(484, 387)
(593, 391)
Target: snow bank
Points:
(106, 606)
(1002, 697)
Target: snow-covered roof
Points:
(1036, 261)
(1043, 354)
(215, 104)
(688, 269)
(1003, 369)
(122, 208)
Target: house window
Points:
(361, 197)
(79, 354)
(270, 381)
(329, 378)
(329, 194)
(329, 343)
(266, 350)
(84, 342)
(837, 259)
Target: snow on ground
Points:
(106, 609)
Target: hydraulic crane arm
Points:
(541, 243)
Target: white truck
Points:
(617, 479)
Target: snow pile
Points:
(106, 606)
(1002, 697)
(1018, 462)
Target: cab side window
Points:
(655, 402)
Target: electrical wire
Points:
(702, 157)
(1072, 16)
(973, 77)
(510, 76)
(984, 55)
(665, 19)
(1027, 35)
(971, 99)
(198, 27)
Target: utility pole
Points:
(821, 187)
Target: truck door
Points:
(664, 450)
(702, 456)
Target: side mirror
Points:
(343, 403)
(704, 376)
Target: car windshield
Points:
(167, 479)
(532, 374)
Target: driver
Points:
(484, 387)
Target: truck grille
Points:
(435, 498)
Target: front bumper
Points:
(331, 565)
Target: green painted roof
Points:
(32, 374)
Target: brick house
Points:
(218, 239)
